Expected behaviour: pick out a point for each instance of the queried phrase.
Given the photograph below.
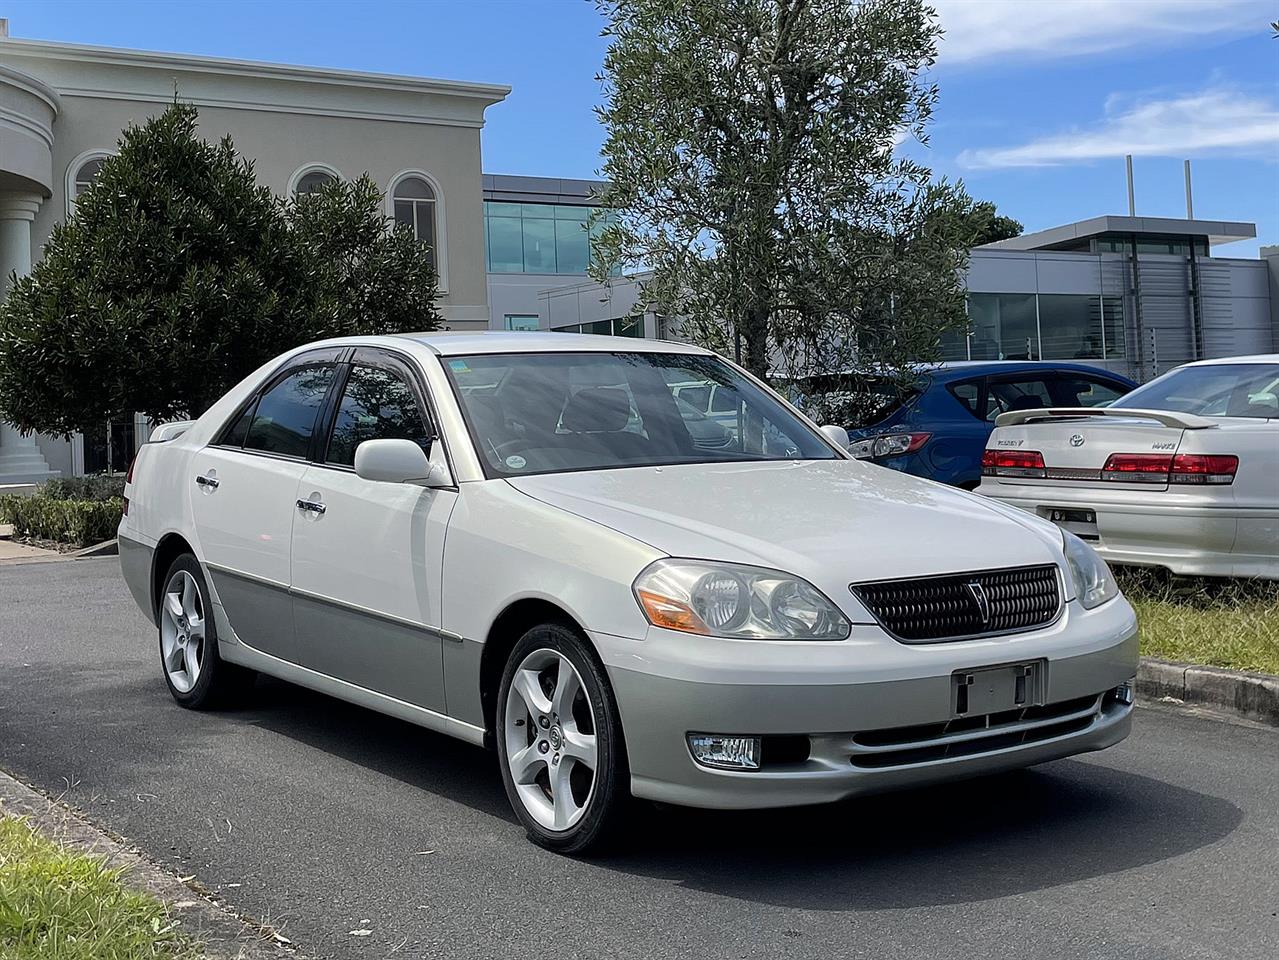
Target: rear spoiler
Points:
(1169, 418)
(170, 431)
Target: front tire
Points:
(197, 677)
(559, 742)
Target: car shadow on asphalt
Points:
(974, 840)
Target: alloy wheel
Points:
(182, 631)
(550, 739)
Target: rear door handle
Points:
(210, 482)
(312, 506)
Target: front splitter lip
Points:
(746, 790)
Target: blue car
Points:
(937, 426)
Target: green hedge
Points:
(78, 522)
(96, 486)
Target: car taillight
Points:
(896, 444)
(1204, 468)
(1137, 467)
(1165, 468)
(1012, 463)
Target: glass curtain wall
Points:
(1047, 326)
(537, 238)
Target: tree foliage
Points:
(179, 274)
(752, 156)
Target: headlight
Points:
(733, 600)
(1094, 583)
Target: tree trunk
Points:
(754, 335)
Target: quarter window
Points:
(286, 414)
(1030, 394)
(377, 404)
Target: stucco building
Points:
(62, 107)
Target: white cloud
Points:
(1057, 29)
(1217, 120)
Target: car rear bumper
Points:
(136, 557)
(1188, 539)
(876, 714)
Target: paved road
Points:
(316, 815)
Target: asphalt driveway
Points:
(325, 818)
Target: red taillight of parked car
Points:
(1204, 468)
(1012, 463)
(1166, 468)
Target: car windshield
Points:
(1213, 390)
(534, 413)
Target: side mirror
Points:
(398, 461)
(836, 435)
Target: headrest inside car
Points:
(597, 410)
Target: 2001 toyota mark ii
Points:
(525, 540)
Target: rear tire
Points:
(195, 673)
(559, 742)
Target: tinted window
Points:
(968, 394)
(285, 416)
(376, 405)
(1029, 394)
(234, 437)
(855, 401)
(549, 412)
(1087, 392)
(1215, 390)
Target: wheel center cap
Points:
(556, 736)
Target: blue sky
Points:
(1039, 100)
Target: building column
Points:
(20, 458)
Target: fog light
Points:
(1123, 693)
(729, 753)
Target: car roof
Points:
(961, 369)
(454, 342)
(1253, 358)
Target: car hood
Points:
(832, 522)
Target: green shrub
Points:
(97, 486)
(78, 522)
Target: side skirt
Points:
(241, 653)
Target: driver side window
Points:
(377, 404)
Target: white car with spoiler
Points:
(1182, 473)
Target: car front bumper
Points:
(876, 713)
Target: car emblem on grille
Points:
(1077, 440)
(978, 593)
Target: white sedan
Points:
(1182, 473)
(519, 540)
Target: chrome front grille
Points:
(964, 605)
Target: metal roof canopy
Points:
(1069, 235)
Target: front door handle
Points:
(311, 506)
(210, 482)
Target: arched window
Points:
(83, 170)
(414, 203)
(312, 181)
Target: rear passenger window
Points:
(1085, 392)
(286, 414)
(376, 405)
(1029, 394)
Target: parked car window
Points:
(377, 404)
(234, 436)
(696, 396)
(723, 401)
(285, 416)
(1087, 392)
(853, 400)
(551, 412)
(1004, 395)
(1214, 390)
(969, 394)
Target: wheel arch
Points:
(511, 624)
(170, 547)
